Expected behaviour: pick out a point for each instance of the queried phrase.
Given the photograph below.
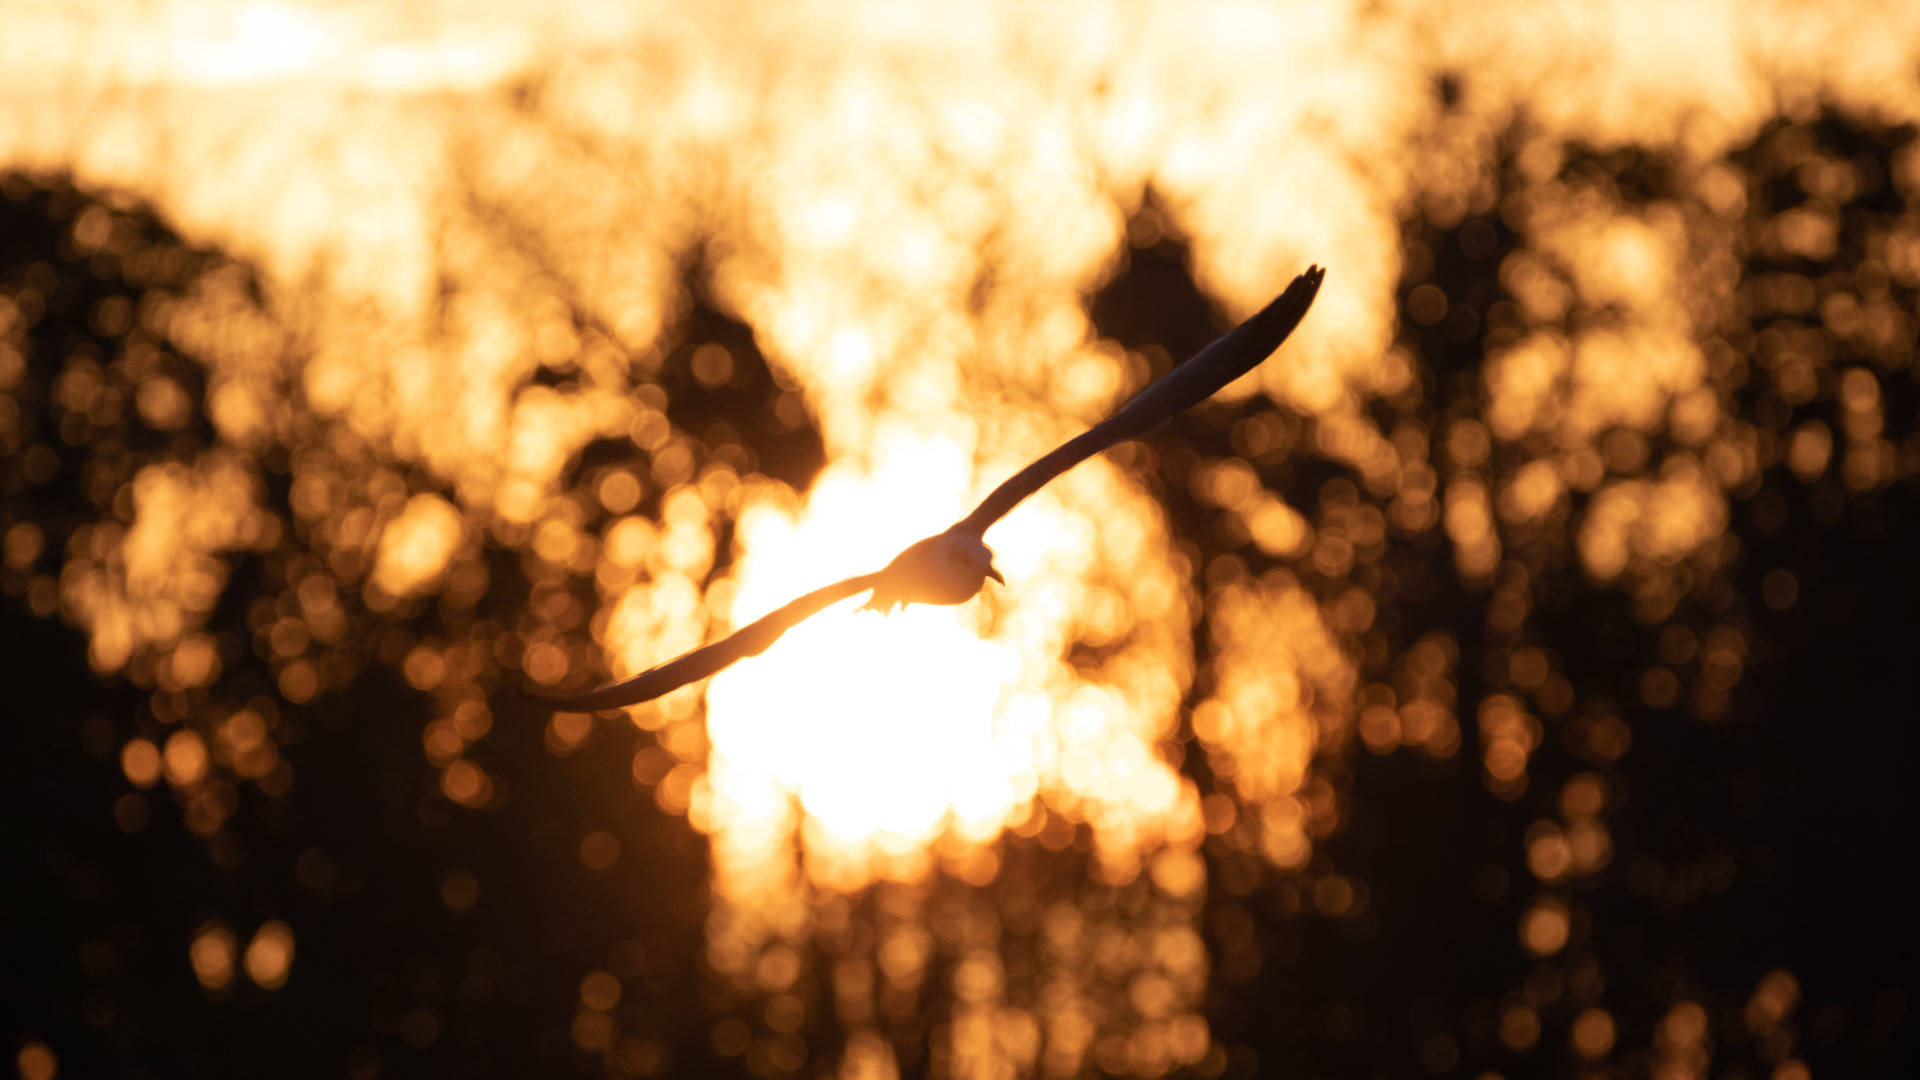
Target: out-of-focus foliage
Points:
(1396, 708)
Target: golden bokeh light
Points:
(1593, 1033)
(416, 545)
(37, 1061)
(269, 955)
(212, 955)
(467, 352)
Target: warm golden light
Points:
(269, 956)
(212, 955)
(478, 239)
(36, 1061)
(416, 545)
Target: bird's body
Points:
(951, 567)
(948, 568)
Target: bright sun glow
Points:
(471, 224)
(880, 725)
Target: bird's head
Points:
(948, 568)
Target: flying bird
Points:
(952, 566)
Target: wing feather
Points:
(1230, 356)
(750, 640)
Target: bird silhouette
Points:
(952, 566)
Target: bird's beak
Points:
(995, 574)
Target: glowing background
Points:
(472, 229)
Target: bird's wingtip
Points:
(535, 699)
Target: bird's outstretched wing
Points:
(1230, 356)
(750, 640)
(920, 575)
